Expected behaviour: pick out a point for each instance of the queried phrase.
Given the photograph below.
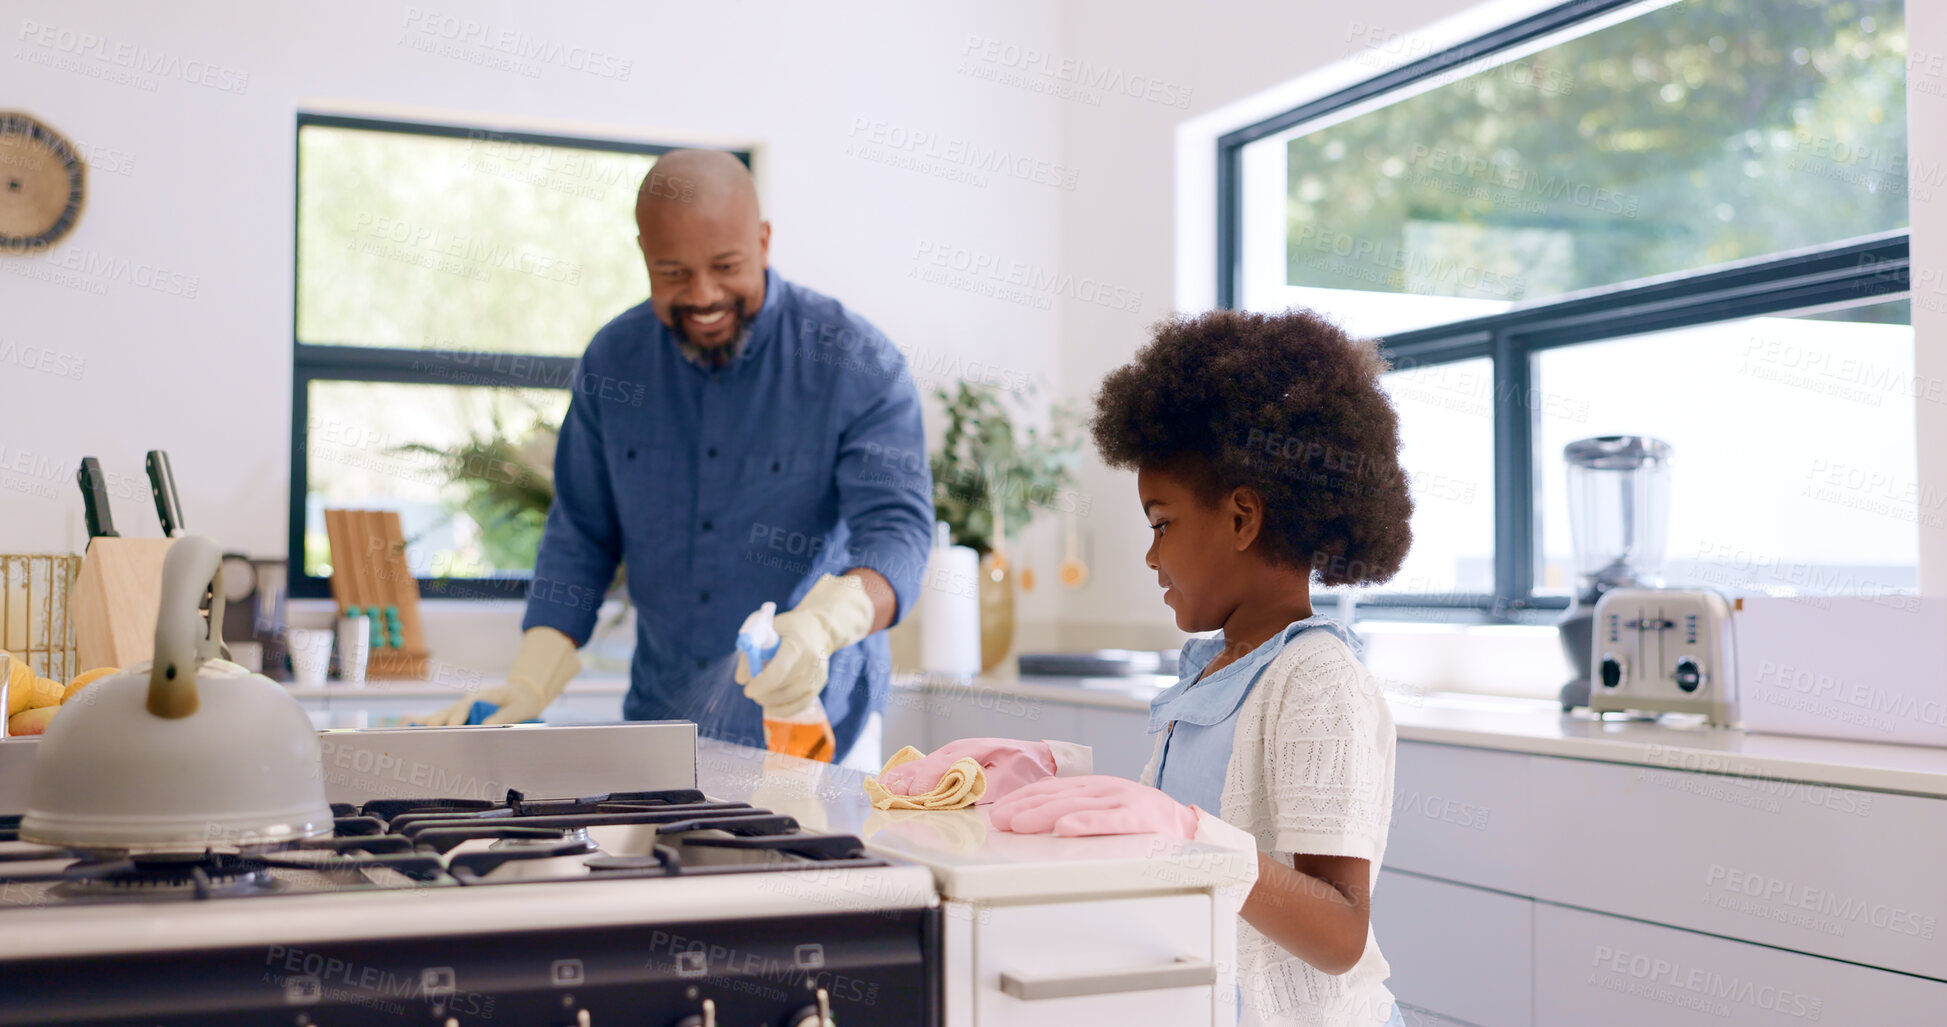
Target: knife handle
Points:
(94, 499)
(162, 484)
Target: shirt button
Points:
(630, 454)
(776, 466)
(711, 452)
(703, 597)
(707, 525)
(700, 664)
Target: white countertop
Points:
(970, 860)
(1538, 726)
(410, 688)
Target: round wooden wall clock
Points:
(42, 181)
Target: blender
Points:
(1618, 518)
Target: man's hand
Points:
(836, 613)
(544, 664)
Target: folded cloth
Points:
(962, 785)
(1009, 762)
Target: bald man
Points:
(735, 440)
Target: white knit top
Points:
(1311, 771)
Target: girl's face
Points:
(1194, 550)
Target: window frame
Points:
(1843, 273)
(311, 362)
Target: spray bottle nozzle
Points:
(757, 639)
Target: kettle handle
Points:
(183, 640)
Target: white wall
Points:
(1246, 62)
(208, 194)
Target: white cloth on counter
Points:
(1311, 772)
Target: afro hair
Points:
(1285, 404)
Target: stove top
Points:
(399, 844)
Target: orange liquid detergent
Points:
(812, 741)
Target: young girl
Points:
(1265, 453)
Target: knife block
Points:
(115, 601)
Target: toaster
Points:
(1664, 650)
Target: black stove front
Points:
(873, 968)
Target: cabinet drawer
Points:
(1600, 971)
(1462, 815)
(1836, 872)
(1457, 951)
(1061, 964)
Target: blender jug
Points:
(1618, 517)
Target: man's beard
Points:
(739, 323)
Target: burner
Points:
(537, 844)
(202, 875)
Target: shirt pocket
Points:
(786, 493)
(653, 490)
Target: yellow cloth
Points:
(961, 786)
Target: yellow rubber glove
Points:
(834, 614)
(543, 666)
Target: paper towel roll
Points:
(949, 609)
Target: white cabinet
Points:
(1134, 960)
(1464, 815)
(1462, 952)
(1593, 970)
(1831, 871)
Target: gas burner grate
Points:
(522, 806)
(202, 875)
(480, 864)
(386, 809)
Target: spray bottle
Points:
(806, 734)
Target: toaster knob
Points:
(1689, 675)
(1611, 670)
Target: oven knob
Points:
(819, 1015)
(1689, 675)
(708, 1018)
(1611, 670)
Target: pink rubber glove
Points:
(1010, 764)
(1096, 804)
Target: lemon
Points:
(44, 692)
(86, 678)
(20, 682)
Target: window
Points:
(1618, 217)
(447, 280)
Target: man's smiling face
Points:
(706, 250)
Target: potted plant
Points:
(989, 482)
(506, 487)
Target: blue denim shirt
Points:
(723, 489)
(1201, 716)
